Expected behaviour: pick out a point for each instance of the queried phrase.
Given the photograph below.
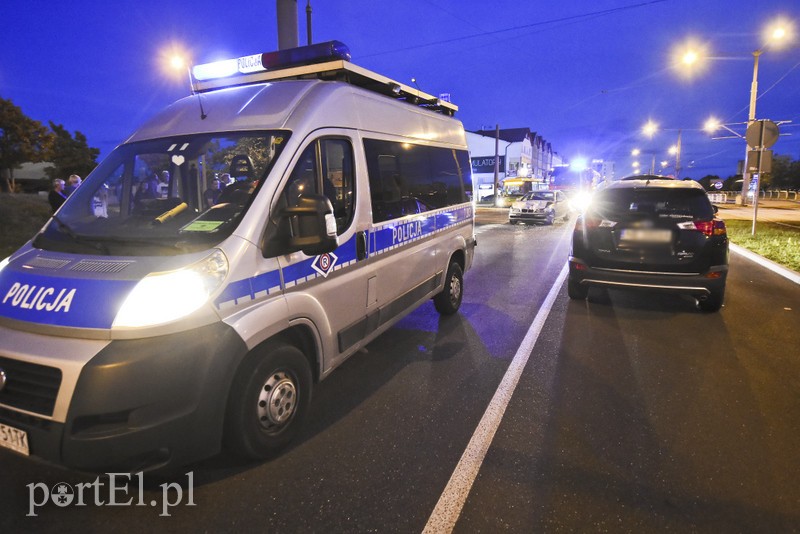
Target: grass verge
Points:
(776, 242)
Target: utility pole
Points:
(287, 23)
(496, 159)
(308, 21)
(750, 119)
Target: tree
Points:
(785, 173)
(22, 140)
(707, 180)
(70, 155)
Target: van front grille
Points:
(29, 386)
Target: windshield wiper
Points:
(65, 228)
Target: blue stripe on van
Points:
(383, 238)
(76, 302)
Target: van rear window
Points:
(405, 178)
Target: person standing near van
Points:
(74, 182)
(211, 195)
(57, 196)
(163, 185)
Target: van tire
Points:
(449, 300)
(268, 400)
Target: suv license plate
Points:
(648, 235)
(14, 439)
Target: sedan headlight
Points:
(164, 297)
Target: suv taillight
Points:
(711, 228)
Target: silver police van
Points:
(230, 254)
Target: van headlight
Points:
(164, 297)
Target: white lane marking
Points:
(768, 264)
(448, 509)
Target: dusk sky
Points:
(585, 75)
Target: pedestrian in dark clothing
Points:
(57, 196)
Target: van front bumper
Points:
(142, 404)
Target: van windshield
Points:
(164, 196)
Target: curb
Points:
(768, 264)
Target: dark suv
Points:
(651, 233)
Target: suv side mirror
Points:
(313, 225)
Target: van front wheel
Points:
(449, 300)
(268, 400)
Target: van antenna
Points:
(194, 92)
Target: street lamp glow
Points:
(177, 63)
(673, 150)
(712, 125)
(635, 152)
(690, 57)
(650, 128)
(664, 163)
(779, 33)
(636, 165)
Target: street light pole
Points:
(750, 119)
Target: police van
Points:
(162, 315)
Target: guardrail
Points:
(724, 197)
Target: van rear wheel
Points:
(449, 300)
(268, 400)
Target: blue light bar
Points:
(281, 59)
(305, 55)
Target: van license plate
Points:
(648, 235)
(14, 439)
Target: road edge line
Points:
(767, 264)
(448, 509)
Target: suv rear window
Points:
(652, 203)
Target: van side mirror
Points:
(313, 225)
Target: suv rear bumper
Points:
(697, 284)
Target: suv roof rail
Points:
(328, 61)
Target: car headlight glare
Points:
(164, 297)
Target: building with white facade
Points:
(523, 155)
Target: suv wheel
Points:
(575, 290)
(713, 302)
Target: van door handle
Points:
(361, 246)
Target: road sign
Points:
(717, 185)
(761, 134)
(759, 161)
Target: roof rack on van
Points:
(324, 61)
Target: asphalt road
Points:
(633, 412)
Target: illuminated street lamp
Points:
(650, 128)
(780, 32)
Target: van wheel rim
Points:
(277, 401)
(455, 289)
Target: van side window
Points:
(406, 179)
(326, 168)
